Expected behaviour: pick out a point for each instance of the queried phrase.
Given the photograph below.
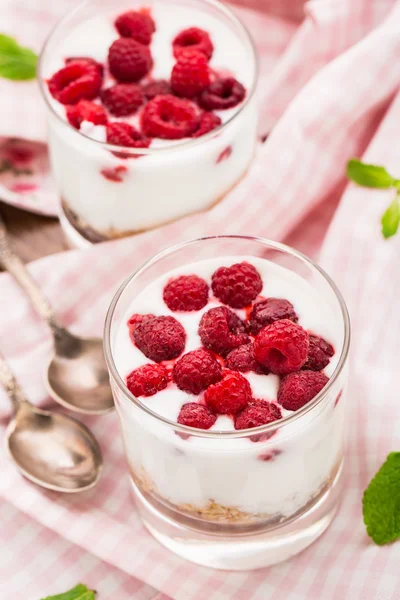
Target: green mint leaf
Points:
(372, 176)
(381, 502)
(79, 592)
(16, 62)
(391, 219)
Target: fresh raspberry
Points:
(185, 293)
(237, 285)
(122, 99)
(242, 359)
(78, 80)
(221, 330)
(196, 370)
(265, 312)
(128, 60)
(258, 412)
(169, 117)
(196, 415)
(222, 94)
(319, 354)
(296, 389)
(190, 75)
(137, 25)
(123, 134)
(160, 338)
(85, 110)
(134, 321)
(194, 39)
(158, 87)
(147, 380)
(208, 122)
(282, 347)
(87, 59)
(230, 395)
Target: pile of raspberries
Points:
(270, 340)
(179, 108)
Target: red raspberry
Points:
(122, 99)
(158, 87)
(230, 395)
(282, 347)
(221, 330)
(296, 389)
(137, 25)
(265, 312)
(147, 380)
(123, 134)
(87, 59)
(78, 80)
(319, 353)
(242, 359)
(196, 415)
(222, 94)
(208, 122)
(128, 60)
(237, 285)
(85, 110)
(185, 293)
(190, 75)
(134, 321)
(160, 338)
(258, 412)
(195, 39)
(169, 117)
(196, 370)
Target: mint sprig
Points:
(381, 502)
(376, 176)
(79, 592)
(16, 62)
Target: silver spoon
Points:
(77, 375)
(52, 450)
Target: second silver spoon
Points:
(52, 450)
(77, 375)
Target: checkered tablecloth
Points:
(332, 94)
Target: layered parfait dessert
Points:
(169, 84)
(225, 376)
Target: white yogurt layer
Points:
(230, 471)
(161, 187)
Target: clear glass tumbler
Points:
(218, 498)
(105, 193)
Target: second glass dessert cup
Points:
(107, 191)
(235, 499)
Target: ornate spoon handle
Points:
(10, 384)
(13, 264)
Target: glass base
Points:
(73, 237)
(242, 552)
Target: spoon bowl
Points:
(53, 450)
(77, 375)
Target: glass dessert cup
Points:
(243, 499)
(106, 193)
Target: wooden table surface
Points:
(33, 236)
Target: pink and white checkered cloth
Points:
(335, 92)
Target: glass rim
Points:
(191, 142)
(206, 433)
